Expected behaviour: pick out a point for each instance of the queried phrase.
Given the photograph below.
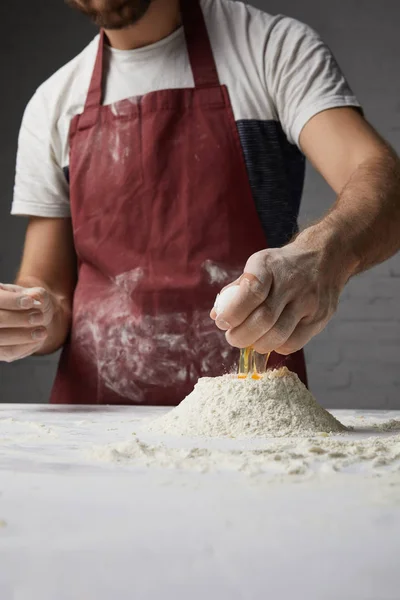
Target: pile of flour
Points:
(278, 405)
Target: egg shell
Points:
(225, 298)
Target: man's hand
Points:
(25, 315)
(35, 314)
(286, 296)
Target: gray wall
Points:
(356, 361)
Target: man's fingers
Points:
(13, 297)
(20, 318)
(43, 302)
(279, 333)
(41, 298)
(256, 325)
(299, 338)
(16, 337)
(250, 295)
(9, 287)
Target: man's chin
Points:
(114, 24)
(125, 17)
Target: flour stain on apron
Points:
(129, 349)
(217, 274)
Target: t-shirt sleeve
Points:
(303, 76)
(41, 188)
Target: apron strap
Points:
(201, 56)
(95, 94)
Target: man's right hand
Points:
(25, 315)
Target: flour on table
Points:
(392, 425)
(15, 430)
(276, 458)
(278, 405)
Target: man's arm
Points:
(48, 268)
(364, 222)
(288, 295)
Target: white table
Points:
(72, 529)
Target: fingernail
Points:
(36, 318)
(26, 302)
(39, 334)
(223, 324)
(37, 303)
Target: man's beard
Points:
(112, 14)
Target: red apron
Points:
(163, 218)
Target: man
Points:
(176, 141)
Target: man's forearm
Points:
(363, 227)
(59, 327)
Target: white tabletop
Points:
(75, 528)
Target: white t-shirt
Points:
(279, 74)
